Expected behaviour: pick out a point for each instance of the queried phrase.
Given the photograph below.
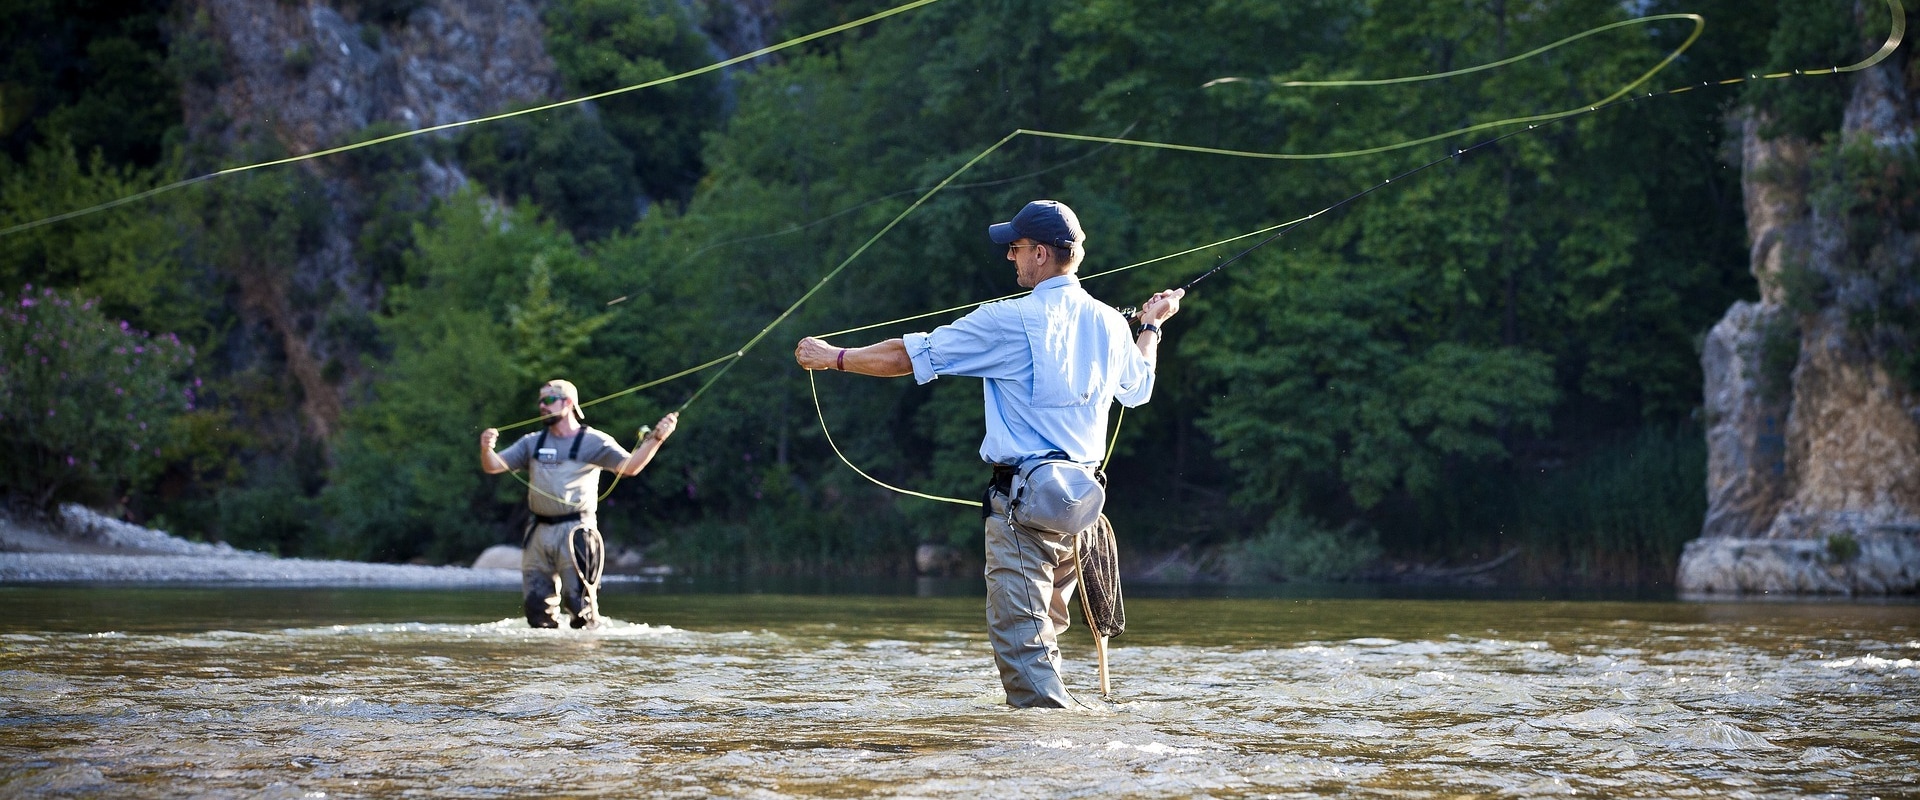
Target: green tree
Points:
(1819, 33)
(604, 45)
(89, 72)
(130, 257)
(563, 161)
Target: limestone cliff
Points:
(291, 77)
(1813, 438)
(306, 76)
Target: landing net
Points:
(1100, 580)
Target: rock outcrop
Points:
(280, 78)
(307, 77)
(313, 78)
(1813, 442)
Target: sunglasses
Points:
(547, 400)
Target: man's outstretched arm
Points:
(886, 359)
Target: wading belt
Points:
(1003, 473)
(1003, 477)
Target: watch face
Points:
(548, 455)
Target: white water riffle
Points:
(896, 697)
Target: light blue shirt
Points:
(1053, 363)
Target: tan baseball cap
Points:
(573, 394)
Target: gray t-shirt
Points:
(557, 483)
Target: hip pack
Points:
(1056, 496)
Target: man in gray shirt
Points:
(562, 547)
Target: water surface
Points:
(248, 692)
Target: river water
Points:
(304, 693)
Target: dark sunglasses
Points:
(552, 398)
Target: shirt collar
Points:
(1058, 282)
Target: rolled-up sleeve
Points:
(1136, 386)
(972, 346)
(920, 352)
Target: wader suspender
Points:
(573, 454)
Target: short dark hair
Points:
(1069, 256)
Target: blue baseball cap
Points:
(1048, 221)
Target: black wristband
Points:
(1152, 327)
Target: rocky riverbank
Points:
(85, 547)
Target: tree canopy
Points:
(1412, 370)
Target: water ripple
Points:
(834, 701)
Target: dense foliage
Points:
(1496, 354)
(88, 403)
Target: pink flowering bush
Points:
(86, 402)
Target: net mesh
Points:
(1100, 579)
(589, 555)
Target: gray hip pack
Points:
(1056, 496)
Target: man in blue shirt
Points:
(1053, 362)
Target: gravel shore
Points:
(89, 548)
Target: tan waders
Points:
(1031, 577)
(560, 568)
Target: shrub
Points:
(1294, 548)
(86, 403)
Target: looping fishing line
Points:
(1895, 37)
(1894, 40)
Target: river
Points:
(129, 692)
